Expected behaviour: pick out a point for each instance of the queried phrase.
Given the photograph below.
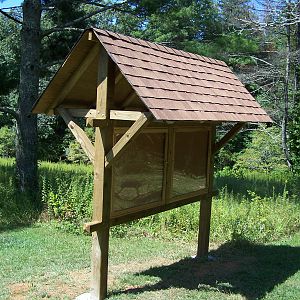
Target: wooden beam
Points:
(101, 101)
(170, 162)
(131, 96)
(102, 179)
(68, 86)
(92, 226)
(125, 115)
(205, 204)
(79, 134)
(82, 112)
(228, 136)
(128, 137)
(95, 122)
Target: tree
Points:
(31, 36)
(263, 152)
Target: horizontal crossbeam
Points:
(125, 115)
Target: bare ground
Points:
(72, 284)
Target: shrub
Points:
(7, 142)
(254, 218)
(263, 153)
(253, 206)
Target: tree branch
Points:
(10, 111)
(58, 29)
(10, 17)
(87, 16)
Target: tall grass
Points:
(250, 206)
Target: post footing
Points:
(85, 296)
(204, 258)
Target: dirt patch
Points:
(77, 282)
(72, 285)
(19, 291)
(136, 267)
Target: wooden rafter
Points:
(79, 134)
(82, 112)
(76, 75)
(128, 137)
(228, 136)
(129, 98)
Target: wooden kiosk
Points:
(155, 111)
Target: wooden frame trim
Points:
(128, 137)
(170, 164)
(144, 206)
(79, 134)
(205, 205)
(76, 76)
(189, 195)
(228, 136)
(151, 211)
(171, 159)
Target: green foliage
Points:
(247, 207)
(254, 218)
(7, 142)
(173, 23)
(263, 153)
(75, 154)
(15, 209)
(53, 138)
(9, 55)
(67, 192)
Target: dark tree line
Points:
(260, 41)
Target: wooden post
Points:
(205, 204)
(102, 180)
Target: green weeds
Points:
(250, 206)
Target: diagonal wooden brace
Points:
(128, 137)
(228, 136)
(78, 133)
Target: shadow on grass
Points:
(249, 270)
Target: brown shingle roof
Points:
(177, 85)
(172, 84)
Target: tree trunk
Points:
(26, 154)
(285, 117)
(297, 61)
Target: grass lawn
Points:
(41, 262)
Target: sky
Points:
(8, 3)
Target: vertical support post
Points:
(102, 180)
(205, 204)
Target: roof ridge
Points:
(159, 47)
